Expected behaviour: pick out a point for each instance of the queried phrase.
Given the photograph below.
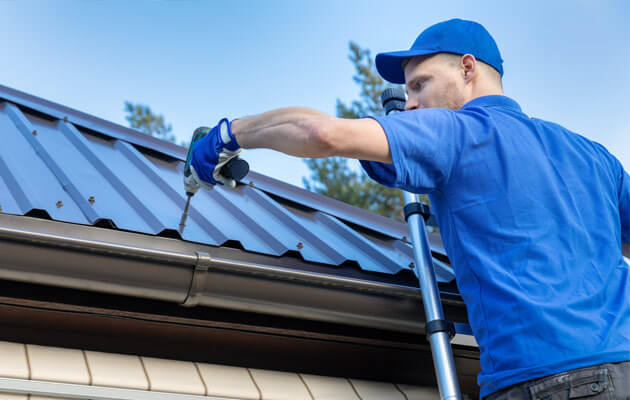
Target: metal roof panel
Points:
(31, 182)
(88, 175)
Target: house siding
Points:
(54, 364)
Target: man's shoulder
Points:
(579, 143)
(569, 135)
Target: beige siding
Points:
(116, 370)
(173, 376)
(226, 381)
(10, 396)
(369, 390)
(278, 385)
(13, 362)
(147, 373)
(329, 388)
(57, 364)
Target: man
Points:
(534, 217)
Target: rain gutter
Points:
(199, 277)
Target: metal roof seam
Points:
(282, 214)
(331, 206)
(442, 270)
(404, 247)
(250, 224)
(357, 240)
(138, 159)
(76, 138)
(24, 127)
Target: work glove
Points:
(209, 155)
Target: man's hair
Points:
(405, 62)
(453, 60)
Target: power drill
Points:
(235, 169)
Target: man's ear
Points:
(468, 65)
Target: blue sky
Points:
(198, 61)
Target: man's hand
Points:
(209, 155)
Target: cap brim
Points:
(389, 65)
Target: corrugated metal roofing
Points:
(84, 170)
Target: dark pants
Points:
(597, 382)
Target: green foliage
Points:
(370, 83)
(332, 176)
(141, 117)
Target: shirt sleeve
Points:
(424, 145)
(624, 206)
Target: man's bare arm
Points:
(304, 132)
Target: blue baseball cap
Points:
(455, 36)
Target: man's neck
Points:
(480, 92)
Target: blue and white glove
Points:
(209, 155)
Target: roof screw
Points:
(300, 245)
(59, 204)
(250, 183)
(91, 200)
(65, 118)
(34, 132)
(411, 265)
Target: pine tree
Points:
(332, 176)
(141, 117)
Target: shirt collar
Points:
(494, 100)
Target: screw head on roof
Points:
(34, 132)
(250, 183)
(300, 245)
(412, 265)
(91, 200)
(65, 118)
(59, 204)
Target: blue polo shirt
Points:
(532, 216)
